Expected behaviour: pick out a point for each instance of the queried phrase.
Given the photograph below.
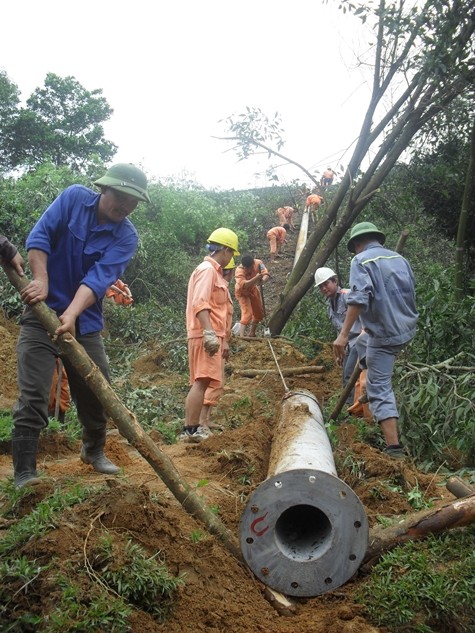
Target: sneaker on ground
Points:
(187, 432)
(396, 451)
(201, 433)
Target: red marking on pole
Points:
(255, 522)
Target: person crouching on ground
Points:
(276, 236)
(208, 324)
(312, 205)
(250, 276)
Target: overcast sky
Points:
(172, 69)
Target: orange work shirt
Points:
(244, 274)
(281, 214)
(278, 232)
(208, 290)
(314, 199)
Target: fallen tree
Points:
(419, 525)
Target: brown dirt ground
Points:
(220, 594)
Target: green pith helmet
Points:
(126, 178)
(361, 229)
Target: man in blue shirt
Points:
(382, 295)
(78, 248)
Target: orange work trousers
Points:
(251, 307)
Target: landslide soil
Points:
(219, 594)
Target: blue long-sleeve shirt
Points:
(81, 251)
(382, 282)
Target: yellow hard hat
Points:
(225, 237)
(232, 264)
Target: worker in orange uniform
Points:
(281, 215)
(120, 292)
(59, 397)
(208, 326)
(289, 214)
(276, 237)
(327, 177)
(313, 202)
(250, 276)
(213, 394)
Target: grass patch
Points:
(425, 586)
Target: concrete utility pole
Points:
(304, 531)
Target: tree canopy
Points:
(62, 123)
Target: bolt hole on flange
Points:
(352, 557)
(249, 540)
(328, 581)
(357, 524)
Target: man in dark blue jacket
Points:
(76, 251)
(382, 295)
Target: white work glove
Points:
(210, 342)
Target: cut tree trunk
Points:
(416, 526)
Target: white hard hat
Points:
(323, 274)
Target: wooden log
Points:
(127, 423)
(346, 392)
(458, 487)
(418, 525)
(288, 371)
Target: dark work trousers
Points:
(36, 359)
(349, 362)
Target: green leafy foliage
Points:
(158, 408)
(5, 426)
(140, 580)
(43, 518)
(84, 609)
(425, 586)
(445, 327)
(61, 123)
(437, 412)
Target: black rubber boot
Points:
(24, 450)
(92, 452)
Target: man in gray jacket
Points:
(382, 295)
(326, 280)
